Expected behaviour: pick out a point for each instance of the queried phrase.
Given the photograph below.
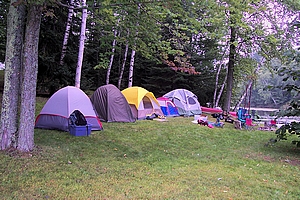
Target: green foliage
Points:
(4, 5)
(187, 34)
(287, 130)
(290, 71)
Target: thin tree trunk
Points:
(231, 62)
(67, 32)
(216, 85)
(130, 77)
(112, 56)
(13, 62)
(221, 90)
(243, 95)
(271, 93)
(131, 65)
(123, 65)
(81, 45)
(249, 86)
(25, 141)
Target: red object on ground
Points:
(211, 110)
(273, 122)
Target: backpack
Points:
(77, 118)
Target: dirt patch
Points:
(267, 158)
(292, 162)
(13, 152)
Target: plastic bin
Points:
(80, 130)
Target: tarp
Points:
(142, 102)
(168, 107)
(186, 102)
(111, 105)
(57, 110)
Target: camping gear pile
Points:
(78, 125)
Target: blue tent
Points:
(168, 107)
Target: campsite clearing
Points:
(149, 159)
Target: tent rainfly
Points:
(57, 110)
(111, 105)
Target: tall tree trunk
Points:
(221, 90)
(112, 56)
(123, 65)
(231, 62)
(130, 77)
(248, 88)
(245, 93)
(67, 32)
(81, 45)
(25, 140)
(13, 62)
(131, 65)
(216, 85)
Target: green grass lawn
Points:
(149, 159)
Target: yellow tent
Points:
(142, 102)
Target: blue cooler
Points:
(80, 130)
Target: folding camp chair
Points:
(249, 125)
(241, 114)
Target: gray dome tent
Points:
(186, 102)
(57, 110)
(111, 105)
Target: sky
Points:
(2, 66)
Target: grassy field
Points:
(149, 159)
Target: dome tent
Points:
(186, 102)
(57, 110)
(167, 107)
(111, 105)
(142, 102)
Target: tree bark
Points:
(243, 95)
(81, 45)
(123, 65)
(221, 90)
(112, 56)
(13, 62)
(131, 65)
(248, 88)
(216, 86)
(25, 140)
(67, 32)
(231, 62)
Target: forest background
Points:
(173, 44)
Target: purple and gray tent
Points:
(57, 110)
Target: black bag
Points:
(77, 118)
